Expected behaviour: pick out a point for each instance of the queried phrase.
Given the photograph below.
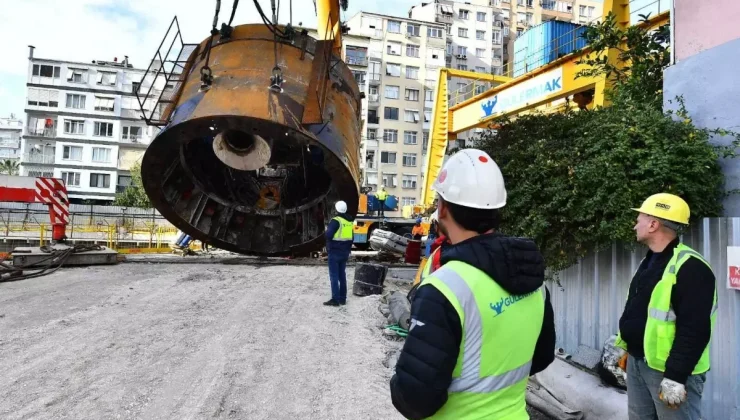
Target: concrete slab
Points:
(35, 257)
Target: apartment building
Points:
(403, 61)
(84, 125)
(10, 138)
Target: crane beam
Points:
(328, 24)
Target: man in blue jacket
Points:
(338, 246)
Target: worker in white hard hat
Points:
(482, 323)
(668, 318)
(339, 245)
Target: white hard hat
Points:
(341, 207)
(470, 178)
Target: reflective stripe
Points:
(662, 315)
(681, 254)
(671, 315)
(470, 379)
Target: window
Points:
(45, 174)
(462, 67)
(462, 32)
(480, 89)
(480, 52)
(372, 178)
(43, 97)
(412, 50)
(411, 116)
(388, 158)
(99, 180)
(359, 77)
(394, 26)
(591, 10)
(497, 37)
(408, 201)
(519, 32)
(393, 48)
(107, 78)
(462, 50)
(47, 71)
(409, 137)
(372, 133)
(372, 116)
(103, 129)
(434, 32)
(390, 113)
(427, 116)
(356, 55)
(131, 133)
(374, 70)
(413, 30)
(480, 69)
(412, 72)
(428, 95)
(480, 35)
(77, 75)
(392, 92)
(390, 136)
(393, 70)
(530, 18)
(480, 16)
(74, 127)
(425, 143)
(521, 17)
(412, 95)
(124, 180)
(72, 153)
(530, 3)
(104, 104)
(71, 179)
(463, 14)
(409, 181)
(101, 154)
(75, 101)
(506, 31)
(390, 180)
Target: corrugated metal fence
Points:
(590, 302)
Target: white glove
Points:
(672, 393)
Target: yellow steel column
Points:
(438, 137)
(328, 26)
(621, 9)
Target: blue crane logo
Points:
(489, 105)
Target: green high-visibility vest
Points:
(381, 195)
(428, 266)
(660, 329)
(344, 233)
(500, 333)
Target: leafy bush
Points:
(134, 195)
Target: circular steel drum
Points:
(253, 170)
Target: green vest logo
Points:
(504, 303)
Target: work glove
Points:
(672, 393)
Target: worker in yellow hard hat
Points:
(381, 195)
(482, 322)
(669, 316)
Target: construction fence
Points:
(124, 228)
(590, 298)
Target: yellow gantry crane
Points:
(551, 82)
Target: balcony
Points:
(443, 18)
(49, 132)
(357, 61)
(373, 79)
(371, 144)
(373, 120)
(132, 113)
(373, 100)
(45, 159)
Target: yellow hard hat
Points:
(666, 206)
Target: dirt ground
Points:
(146, 341)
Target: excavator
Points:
(260, 132)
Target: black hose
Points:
(55, 261)
(233, 11)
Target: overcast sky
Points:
(86, 30)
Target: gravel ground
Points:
(146, 341)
